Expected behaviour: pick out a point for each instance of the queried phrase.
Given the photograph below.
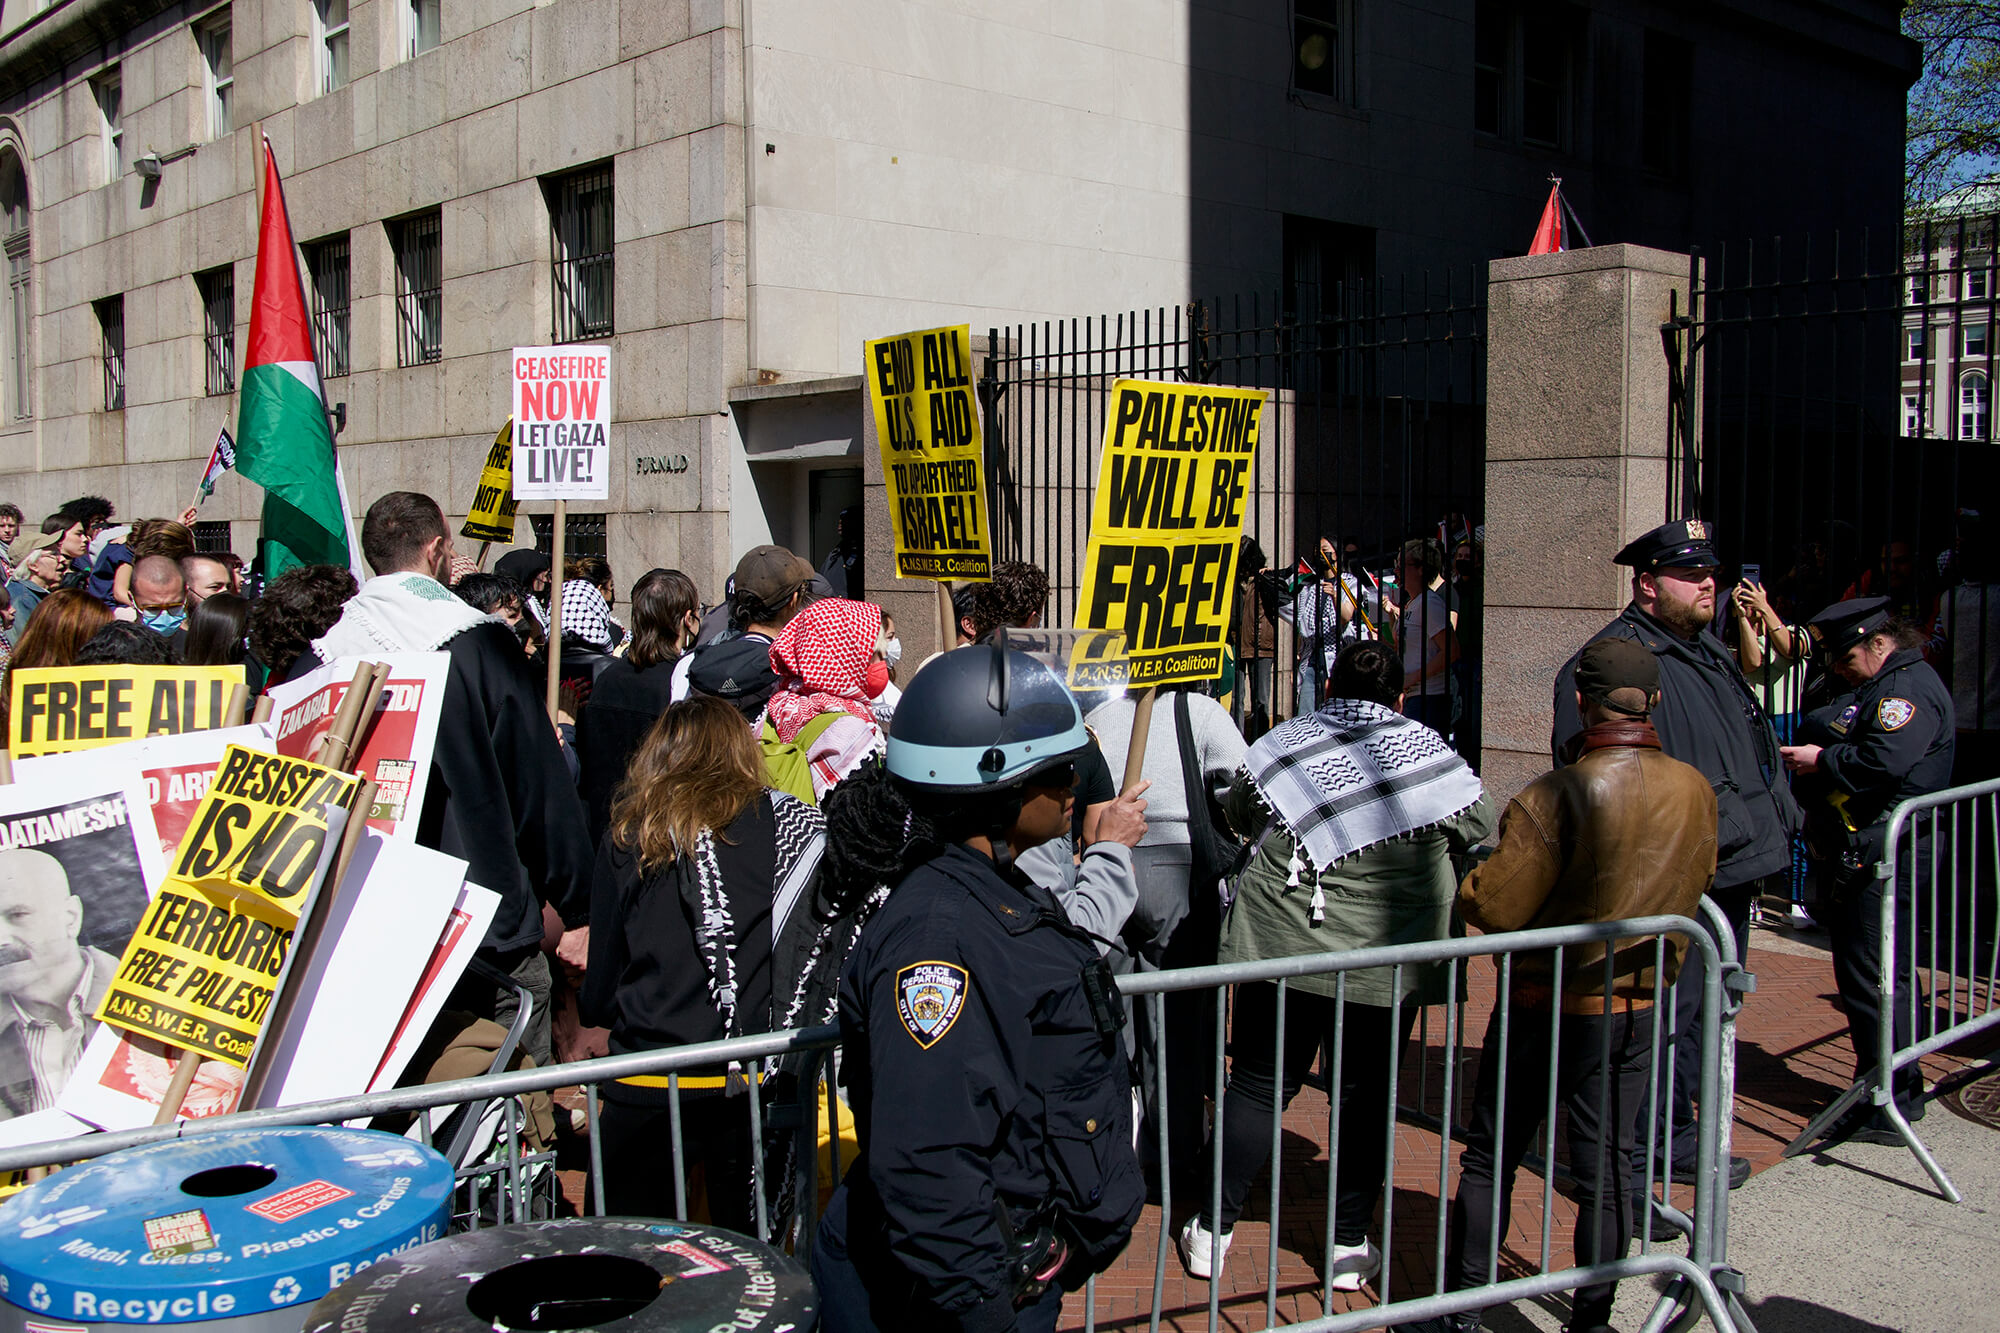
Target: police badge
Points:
(929, 996)
(1893, 712)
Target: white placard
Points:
(450, 956)
(562, 423)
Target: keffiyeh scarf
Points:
(586, 614)
(1355, 774)
(821, 660)
(398, 613)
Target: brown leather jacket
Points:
(1624, 831)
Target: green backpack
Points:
(786, 766)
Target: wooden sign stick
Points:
(947, 619)
(1142, 731)
(555, 604)
(263, 709)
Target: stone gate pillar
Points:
(1576, 466)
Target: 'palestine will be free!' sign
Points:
(920, 386)
(1166, 522)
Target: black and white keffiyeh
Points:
(1355, 774)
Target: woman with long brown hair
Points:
(701, 928)
(633, 690)
(63, 622)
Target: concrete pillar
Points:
(1576, 466)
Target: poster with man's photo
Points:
(73, 886)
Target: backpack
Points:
(786, 767)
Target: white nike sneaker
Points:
(1193, 1245)
(1353, 1263)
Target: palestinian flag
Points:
(283, 441)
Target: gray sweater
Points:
(1218, 748)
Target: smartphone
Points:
(1754, 574)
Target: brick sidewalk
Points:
(1793, 1057)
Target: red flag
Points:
(1549, 231)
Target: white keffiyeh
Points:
(1355, 774)
(398, 613)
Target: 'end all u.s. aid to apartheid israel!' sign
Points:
(562, 423)
(927, 420)
(212, 949)
(1165, 524)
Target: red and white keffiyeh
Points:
(821, 660)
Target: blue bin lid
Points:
(218, 1225)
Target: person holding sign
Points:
(499, 796)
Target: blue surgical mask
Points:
(166, 622)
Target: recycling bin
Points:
(233, 1231)
(632, 1274)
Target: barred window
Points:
(583, 534)
(418, 243)
(212, 538)
(111, 326)
(327, 261)
(580, 226)
(218, 313)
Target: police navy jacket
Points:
(962, 1002)
(1889, 740)
(1707, 717)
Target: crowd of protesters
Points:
(732, 793)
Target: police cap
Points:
(1619, 674)
(1681, 545)
(1847, 623)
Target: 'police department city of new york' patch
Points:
(929, 996)
(1892, 713)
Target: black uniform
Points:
(1889, 740)
(989, 1100)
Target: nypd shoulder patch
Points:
(1893, 712)
(929, 997)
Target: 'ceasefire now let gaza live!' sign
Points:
(1166, 522)
(213, 948)
(562, 423)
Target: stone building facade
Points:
(735, 193)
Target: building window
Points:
(1977, 282)
(418, 243)
(1668, 111)
(327, 262)
(218, 73)
(1323, 48)
(580, 227)
(20, 293)
(421, 21)
(1919, 289)
(111, 330)
(108, 89)
(1975, 339)
(218, 317)
(1913, 344)
(583, 534)
(1972, 406)
(212, 538)
(330, 43)
(1913, 414)
(1523, 72)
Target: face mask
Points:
(166, 622)
(877, 679)
(893, 652)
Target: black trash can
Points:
(634, 1274)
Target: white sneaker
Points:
(1352, 1263)
(1193, 1245)
(1802, 919)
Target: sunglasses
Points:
(1061, 775)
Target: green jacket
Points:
(1399, 892)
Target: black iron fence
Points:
(1832, 419)
(1378, 433)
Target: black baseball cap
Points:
(1619, 674)
(1847, 623)
(1686, 544)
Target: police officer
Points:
(1706, 717)
(979, 1028)
(1889, 739)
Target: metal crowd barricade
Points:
(1940, 948)
(1699, 1277)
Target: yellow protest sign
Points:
(1165, 523)
(491, 515)
(920, 385)
(58, 709)
(1097, 662)
(209, 955)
